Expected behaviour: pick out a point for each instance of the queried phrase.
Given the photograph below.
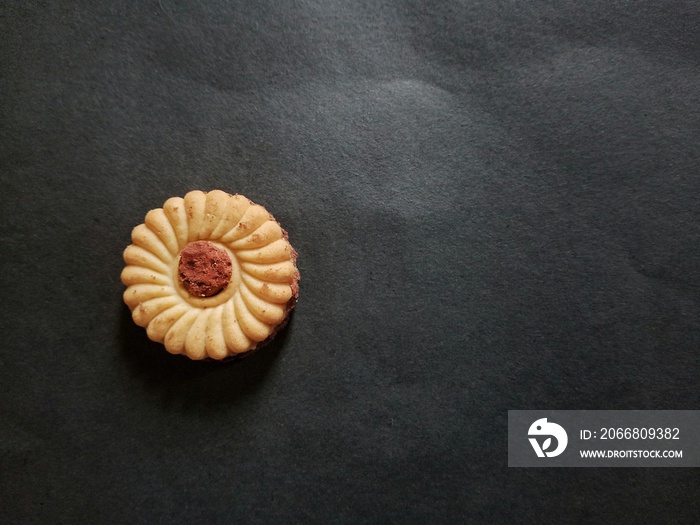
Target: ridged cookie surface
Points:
(182, 288)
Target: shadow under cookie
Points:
(194, 384)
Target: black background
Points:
(495, 205)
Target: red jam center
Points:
(204, 269)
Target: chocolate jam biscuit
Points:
(210, 276)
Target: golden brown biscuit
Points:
(210, 276)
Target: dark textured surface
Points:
(495, 206)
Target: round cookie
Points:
(210, 276)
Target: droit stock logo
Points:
(544, 429)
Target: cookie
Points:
(210, 276)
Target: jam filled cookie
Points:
(210, 276)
